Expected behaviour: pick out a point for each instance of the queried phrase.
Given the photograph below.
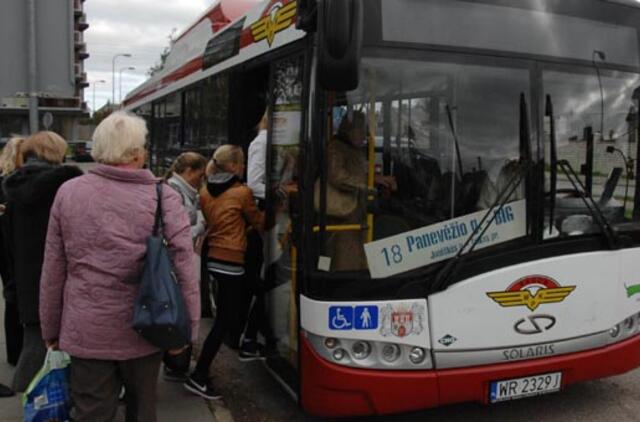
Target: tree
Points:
(164, 55)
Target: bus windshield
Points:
(447, 142)
(433, 137)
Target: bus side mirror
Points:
(307, 19)
(340, 43)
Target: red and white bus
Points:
(507, 262)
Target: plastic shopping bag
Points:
(47, 397)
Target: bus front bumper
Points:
(328, 389)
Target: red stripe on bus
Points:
(217, 18)
(192, 66)
(246, 39)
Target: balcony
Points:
(78, 8)
(82, 53)
(81, 80)
(81, 23)
(78, 40)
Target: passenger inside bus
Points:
(347, 192)
(507, 175)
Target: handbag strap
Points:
(157, 225)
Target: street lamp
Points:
(113, 76)
(120, 82)
(101, 81)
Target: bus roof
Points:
(228, 33)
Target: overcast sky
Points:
(138, 27)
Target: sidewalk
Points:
(175, 404)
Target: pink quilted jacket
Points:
(94, 253)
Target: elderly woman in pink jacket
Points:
(94, 254)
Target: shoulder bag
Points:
(160, 314)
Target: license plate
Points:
(524, 387)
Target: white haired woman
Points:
(94, 256)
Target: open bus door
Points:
(286, 105)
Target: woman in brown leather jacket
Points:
(229, 208)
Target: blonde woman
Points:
(228, 207)
(30, 191)
(9, 154)
(94, 257)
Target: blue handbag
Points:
(160, 314)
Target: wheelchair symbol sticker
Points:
(340, 318)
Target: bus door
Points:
(281, 252)
(248, 102)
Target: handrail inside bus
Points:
(553, 150)
(340, 228)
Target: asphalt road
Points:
(252, 395)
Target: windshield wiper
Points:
(610, 235)
(443, 278)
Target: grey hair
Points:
(118, 137)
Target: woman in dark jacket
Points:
(30, 192)
(12, 327)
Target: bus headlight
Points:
(361, 350)
(339, 354)
(371, 354)
(629, 323)
(390, 352)
(417, 355)
(614, 331)
(331, 343)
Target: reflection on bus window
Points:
(280, 247)
(578, 104)
(215, 107)
(411, 111)
(201, 110)
(193, 118)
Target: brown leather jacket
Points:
(229, 209)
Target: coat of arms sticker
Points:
(402, 320)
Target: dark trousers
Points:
(13, 332)
(230, 294)
(95, 385)
(258, 319)
(31, 357)
(179, 363)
